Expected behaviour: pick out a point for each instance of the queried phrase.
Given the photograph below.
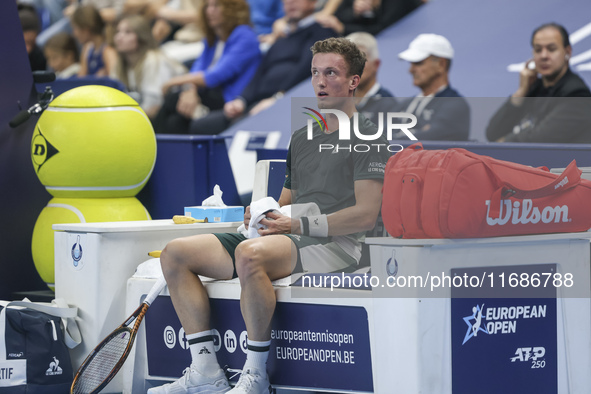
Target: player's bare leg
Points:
(259, 261)
(182, 261)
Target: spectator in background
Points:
(51, 10)
(441, 112)
(175, 26)
(177, 29)
(167, 16)
(279, 27)
(230, 58)
(371, 16)
(284, 65)
(327, 7)
(264, 13)
(30, 24)
(98, 59)
(371, 98)
(539, 110)
(62, 55)
(109, 10)
(141, 66)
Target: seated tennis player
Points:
(346, 186)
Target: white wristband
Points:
(314, 226)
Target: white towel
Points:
(260, 208)
(258, 211)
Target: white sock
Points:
(256, 355)
(203, 352)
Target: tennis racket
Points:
(103, 363)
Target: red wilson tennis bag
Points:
(455, 193)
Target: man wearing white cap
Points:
(442, 113)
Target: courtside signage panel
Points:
(503, 345)
(313, 346)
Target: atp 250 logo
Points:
(392, 120)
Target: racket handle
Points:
(155, 290)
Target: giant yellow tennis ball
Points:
(77, 210)
(93, 141)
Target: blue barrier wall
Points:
(22, 197)
(16, 79)
(187, 169)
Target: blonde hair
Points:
(145, 41)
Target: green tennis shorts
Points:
(318, 255)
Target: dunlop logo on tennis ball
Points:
(105, 141)
(41, 149)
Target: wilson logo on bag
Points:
(525, 213)
(455, 193)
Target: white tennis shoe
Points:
(193, 382)
(252, 381)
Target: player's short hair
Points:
(353, 56)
